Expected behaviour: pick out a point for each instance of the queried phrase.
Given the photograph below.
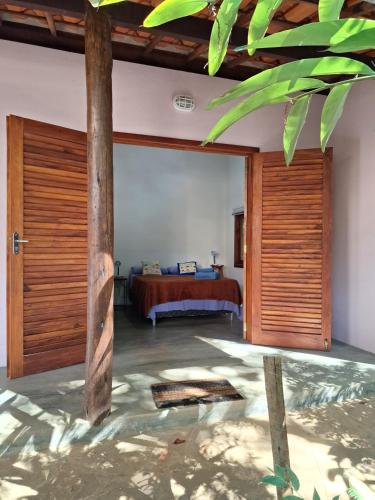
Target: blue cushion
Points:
(206, 269)
(136, 270)
(211, 275)
(172, 270)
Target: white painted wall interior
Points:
(174, 206)
(49, 85)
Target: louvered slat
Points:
(291, 250)
(55, 259)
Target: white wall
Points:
(49, 85)
(354, 221)
(171, 205)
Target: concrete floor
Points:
(178, 349)
(224, 448)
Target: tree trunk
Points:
(276, 411)
(100, 215)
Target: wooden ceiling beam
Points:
(250, 61)
(154, 42)
(51, 23)
(200, 50)
(122, 52)
(198, 30)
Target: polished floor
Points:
(48, 406)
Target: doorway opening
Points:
(175, 245)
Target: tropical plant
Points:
(292, 83)
(285, 479)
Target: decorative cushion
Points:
(173, 270)
(151, 267)
(187, 267)
(206, 275)
(136, 270)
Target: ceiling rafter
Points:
(182, 44)
(51, 23)
(194, 29)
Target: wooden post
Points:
(276, 411)
(98, 48)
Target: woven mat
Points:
(192, 392)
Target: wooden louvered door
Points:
(290, 229)
(47, 280)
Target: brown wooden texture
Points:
(47, 282)
(291, 250)
(100, 215)
(239, 240)
(15, 264)
(273, 378)
(248, 214)
(182, 144)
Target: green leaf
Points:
(280, 471)
(293, 126)
(353, 493)
(337, 497)
(360, 41)
(329, 10)
(220, 34)
(297, 69)
(169, 10)
(316, 495)
(323, 34)
(300, 113)
(273, 94)
(260, 20)
(274, 481)
(332, 111)
(292, 497)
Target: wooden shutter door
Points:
(47, 280)
(291, 250)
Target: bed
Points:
(177, 295)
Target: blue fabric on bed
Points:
(172, 270)
(208, 275)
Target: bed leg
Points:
(154, 323)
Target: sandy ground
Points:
(216, 462)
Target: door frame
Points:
(247, 152)
(15, 209)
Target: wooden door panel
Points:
(290, 250)
(47, 175)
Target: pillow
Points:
(151, 268)
(187, 267)
(164, 270)
(205, 269)
(136, 270)
(208, 275)
(173, 270)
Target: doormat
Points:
(193, 392)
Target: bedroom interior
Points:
(173, 207)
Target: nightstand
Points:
(218, 268)
(120, 291)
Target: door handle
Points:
(16, 243)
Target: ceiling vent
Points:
(184, 102)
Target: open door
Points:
(47, 247)
(289, 235)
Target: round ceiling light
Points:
(183, 102)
